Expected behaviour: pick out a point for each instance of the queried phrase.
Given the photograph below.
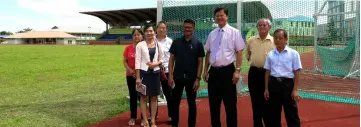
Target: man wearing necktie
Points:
(224, 46)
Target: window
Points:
(70, 42)
(338, 24)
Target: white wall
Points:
(69, 41)
(14, 41)
(65, 41)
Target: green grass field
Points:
(61, 85)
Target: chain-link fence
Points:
(325, 33)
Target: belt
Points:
(220, 67)
(258, 68)
(281, 79)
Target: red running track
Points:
(313, 113)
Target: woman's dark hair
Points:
(161, 22)
(146, 27)
(138, 30)
(285, 35)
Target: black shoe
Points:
(169, 122)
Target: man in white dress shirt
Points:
(224, 47)
(282, 75)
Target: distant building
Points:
(83, 34)
(41, 37)
(344, 23)
(296, 26)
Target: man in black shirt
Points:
(187, 53)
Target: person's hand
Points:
(138, 82)
(236, 77)
(196, 85)
(295, 95)
(152, 65)
(266, 94)
(131, 71)
(205, 77)
(170, 81)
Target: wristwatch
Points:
(238, 69)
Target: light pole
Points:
(89, 34)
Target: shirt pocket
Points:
(228, 42)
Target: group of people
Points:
(156, 61)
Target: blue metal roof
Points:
(296, 18)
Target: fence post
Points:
(357, 44)
(239, 15)
(315, 37)
(159, 10)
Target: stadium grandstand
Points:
(121, 22)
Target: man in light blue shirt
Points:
(282, 66)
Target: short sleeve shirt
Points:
(282, 64)
(129, 54)
(186, 55)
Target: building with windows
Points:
(344, 24)
(41, 37)
(296, 26)
(83, 34)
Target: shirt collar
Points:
(225, 27)
(184, 39)
(166, 37)
(268, 37)
(284, 50)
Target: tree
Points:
(332, 33)
(24, 30)
(5, 33)
(55, 27)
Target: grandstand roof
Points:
(126, 16)
(42, 34)
(254, 10)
